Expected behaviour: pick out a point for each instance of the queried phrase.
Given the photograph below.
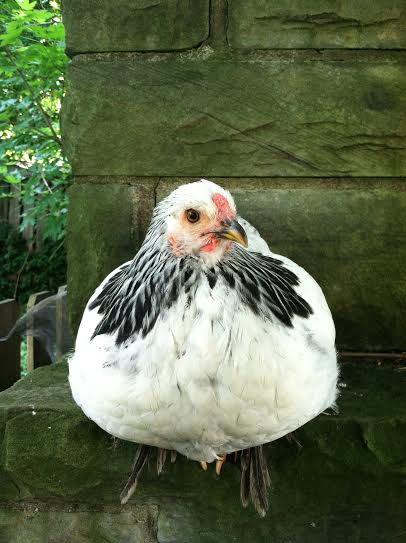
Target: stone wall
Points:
(298, 107)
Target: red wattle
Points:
(210, 246)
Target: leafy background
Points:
(32, 166)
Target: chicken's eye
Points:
(192, 215)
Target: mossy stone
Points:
(341, 483)
(204, 114)
(347, 24)
(134, 25)
(40, 523)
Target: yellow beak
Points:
(234, 231)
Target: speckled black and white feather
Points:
(131, 301)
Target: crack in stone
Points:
(328, 19)
(270, 147)
(371, 146)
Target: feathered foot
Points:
(139, 462)
(160, 460)
(255, 480)
(141, 456)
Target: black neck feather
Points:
(131, 301)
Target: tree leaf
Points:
(26, 5)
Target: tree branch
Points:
(46, 136)
(37, 102)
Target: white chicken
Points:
(206, 343)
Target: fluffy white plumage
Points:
(210, 375)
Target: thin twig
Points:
(20, 271)
(362, 354)
(46, 182)
(43, 134)
(37, 102)
(56, 250)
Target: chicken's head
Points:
(201, 221)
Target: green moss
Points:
(387, 441)
(9, 490)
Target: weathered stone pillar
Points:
(299, 109)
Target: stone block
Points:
(344, 484)
(352, 24)
(107, 224)
(349, 235)
(40, 523)
(134, 25)
(201, 115)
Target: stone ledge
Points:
(345, 483)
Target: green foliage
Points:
(32, 61)
(24, 272)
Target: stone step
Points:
(61, 474)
